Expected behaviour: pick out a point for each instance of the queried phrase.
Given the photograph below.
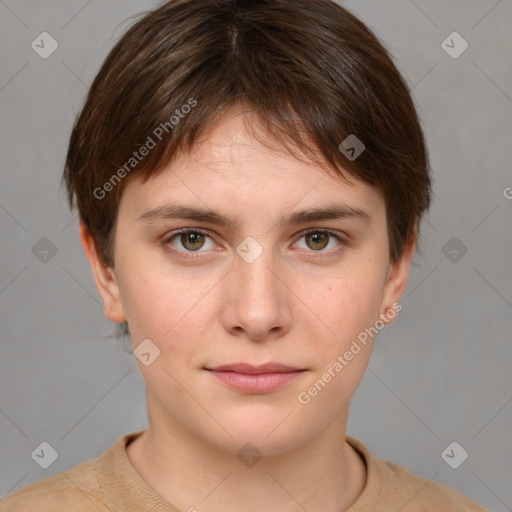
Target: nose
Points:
(257, 300)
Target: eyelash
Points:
(197, 254)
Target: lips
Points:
(255, 370)
(250, 379)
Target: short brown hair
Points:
(313, 73)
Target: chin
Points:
(266, 436)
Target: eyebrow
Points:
(172, 212)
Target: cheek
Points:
(346, 313)
(345, 305)
(168, 310)
(174, 313)
(160, 299)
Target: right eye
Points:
(191, 240)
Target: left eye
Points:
(192, 241)
(319, 240)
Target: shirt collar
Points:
(125, 489)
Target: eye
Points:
(190, 240)
(185, 242)
(317, 240)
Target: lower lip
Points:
(258, 383)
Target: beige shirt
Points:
(110, 483)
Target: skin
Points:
(301, 303)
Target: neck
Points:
(322, 473)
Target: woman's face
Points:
(237, 253)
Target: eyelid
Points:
(321, 230)
(179, 231)
(169, 237)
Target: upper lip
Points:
(250, 369)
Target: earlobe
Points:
(106, 281)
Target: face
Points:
(238, 253)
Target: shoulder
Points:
(74, 490)
(79, 489)
(104, 483)
(419, 494)
(390, 487)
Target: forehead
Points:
(236, 167)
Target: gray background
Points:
(441, 373)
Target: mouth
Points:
(255, 370)
(256, 379)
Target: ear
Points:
(396, 283)
(106, 281)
